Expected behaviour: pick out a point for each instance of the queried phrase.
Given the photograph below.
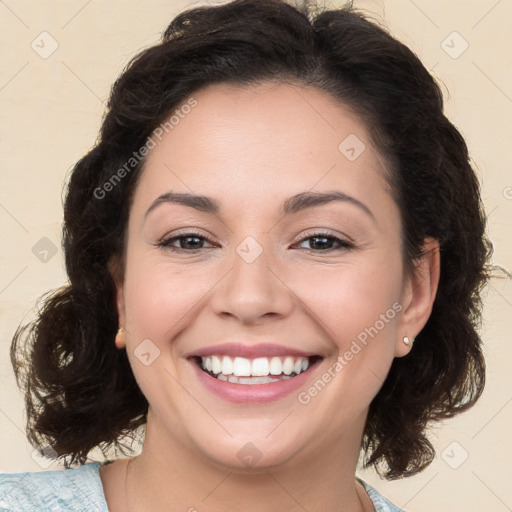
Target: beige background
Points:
(51, 111)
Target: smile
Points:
(252, 373)
(262, 370)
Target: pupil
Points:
(191, 238)
(315, 244)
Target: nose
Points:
(253, 289)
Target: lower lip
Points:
(253, 393)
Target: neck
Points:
(321, 477)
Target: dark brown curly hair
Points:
(80, 391)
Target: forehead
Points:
(262, 142)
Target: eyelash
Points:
(344, 244)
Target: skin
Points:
(251, 149)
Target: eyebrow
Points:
(290, 206)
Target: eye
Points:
(323, 241)
(188, 246)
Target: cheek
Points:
(359, 311)
(161, 298)
(351, 298)
(359, 308)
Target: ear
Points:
(418, 295)
(115, 268)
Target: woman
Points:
(275, 254)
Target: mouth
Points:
(256, 371)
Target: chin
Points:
(249, 455)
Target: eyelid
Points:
(182, 232)
(313, 232)
(165, 241)
(344, 242)
(325, 232)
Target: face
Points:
(299, 304)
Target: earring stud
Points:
(407, 340)
(120, 343)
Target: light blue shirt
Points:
(81, 490)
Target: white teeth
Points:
(260, 367)
(242, 367)
(216, 365)
(251, 380)
(258, 370)
(227, 365)
(288, 366)
(276, 366)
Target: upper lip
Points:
(238, 349)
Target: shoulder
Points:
(71, 489)
(381, 503)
